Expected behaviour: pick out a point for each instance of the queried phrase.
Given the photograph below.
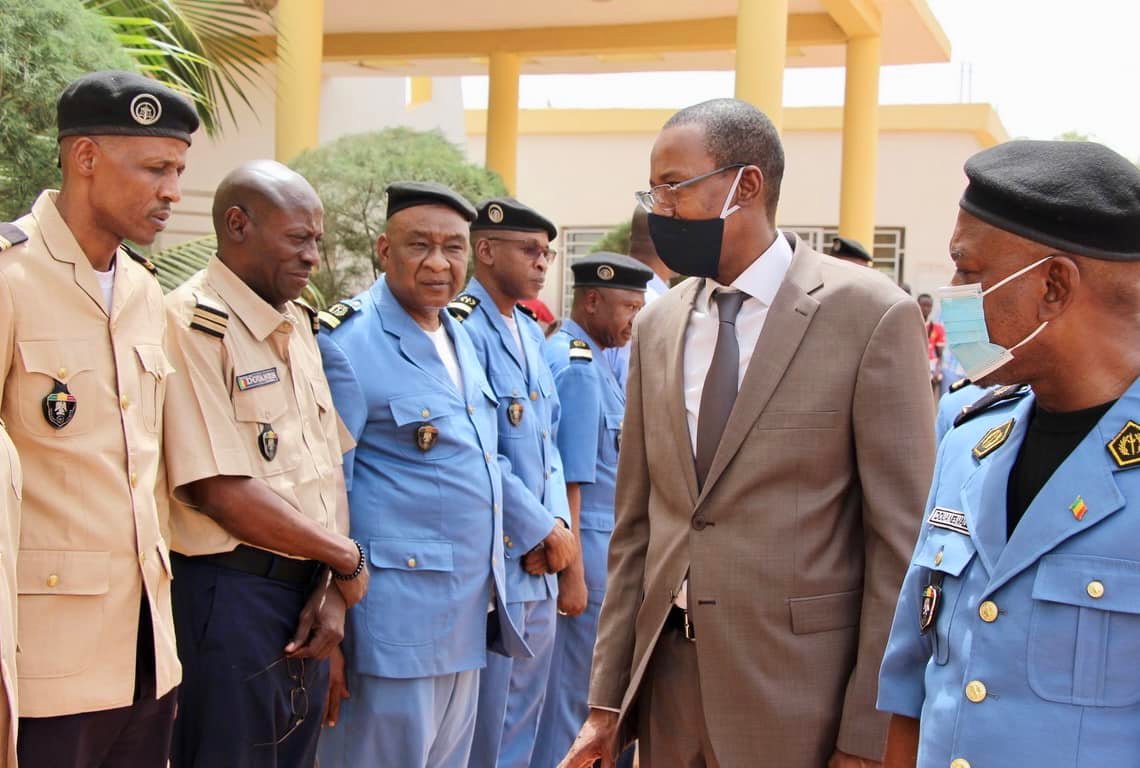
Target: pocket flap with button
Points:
(60, 360)
(508, 389)
(822, 613)
(613, 421)
(426, 407)
(62, 572)
(1102, 583)
(153, 360)
(411, 554)
(946, 551)
(263, 405)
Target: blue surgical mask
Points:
(964, 317)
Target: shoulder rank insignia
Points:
(209, 317)
(463, 306)
(959, 384)
(580, 351)
(146, 263)
(336, 314)
(1125, 447)
(990, 399)
(11, 235)
(527, 311)
(314, 320)
(992, 440)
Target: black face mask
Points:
(689, 247)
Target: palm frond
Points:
(205, 48)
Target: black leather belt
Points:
(259, 562)
(679, 619)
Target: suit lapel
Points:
(784, 328)
(674, 323)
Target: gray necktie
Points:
(721, 383)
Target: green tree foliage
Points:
(350, 175)
(44, 45)
(614, 241)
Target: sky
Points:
(1047, 66)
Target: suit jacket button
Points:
(699, 523)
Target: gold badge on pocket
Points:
(426, 437)
(267, 441)
(515, 413)
(59, 406)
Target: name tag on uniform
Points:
(256, 379)
(950, 519)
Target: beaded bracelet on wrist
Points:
(359, 566)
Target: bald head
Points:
(269, 223)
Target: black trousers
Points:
(242, 704)
(137, 736)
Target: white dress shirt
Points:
(759, 284)
(446, 351)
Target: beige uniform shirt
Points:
(249, 376)
(90, 531)
(10, 484)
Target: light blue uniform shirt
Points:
(1032, 657)
(430, 521)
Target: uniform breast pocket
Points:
(270, 438)
(428, 425)
(611, 438)
(1084, 632)
(945, 555)
(409, 600)
(60, 589)
(67, 369)
(154, 368)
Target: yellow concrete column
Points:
(860, 141)
(503, 116)
(761, 50)
(300, 30)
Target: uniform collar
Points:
(255, 312)
(760, 280)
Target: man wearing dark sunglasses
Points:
(777, 443)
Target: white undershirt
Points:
(759, 283)
(446, 351)
(510, 321)
(107, 284)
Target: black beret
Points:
(848, 248)
(409, 194)
(113, 103)
(1076, 196)
(508, 213)
(611, 270)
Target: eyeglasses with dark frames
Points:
(531, 248)
(298, 696)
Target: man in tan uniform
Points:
(83, 376)
(10, 488)
(253, 458)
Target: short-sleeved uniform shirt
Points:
(250, 400)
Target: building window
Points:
(889, 252)
(576, 243)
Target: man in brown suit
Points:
(764, 521)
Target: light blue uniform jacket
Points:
(430, 521)
(1055, 672)
(534, 492)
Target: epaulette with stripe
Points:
(336, 314)
(146, 263)
(11, 235)
(580, 352)
(462, 307)
(209, 317)
(314, 321)
(989, 400)
(959, 384)
(527, 311)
